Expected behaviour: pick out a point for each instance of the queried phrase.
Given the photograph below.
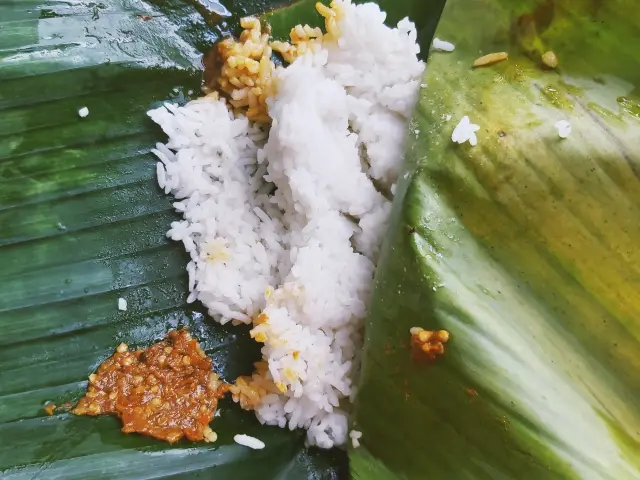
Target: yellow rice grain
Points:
(490, 59)
(246, 76)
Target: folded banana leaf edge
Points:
(524, 248)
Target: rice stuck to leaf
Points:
(355, 437)
(122, 304)
(465, 131)
(442, 45)
(563, 127)
(248, 441)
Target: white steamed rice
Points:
(563, 127)
(465, 131)
(248, 441)
(122, 304)
(442, 45)
(271, 218)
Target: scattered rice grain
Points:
(442, 45)
(490, 59)
(122, 304)
(465, 131)
(563, 127)
(549, 59)
(355, 437)
(248, 441)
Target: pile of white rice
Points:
(287, 222)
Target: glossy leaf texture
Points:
(83, 224)
(524, 248)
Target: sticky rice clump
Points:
(285, 199)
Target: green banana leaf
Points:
(525, 248)
(83, 223)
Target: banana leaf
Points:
(524, 248)
(83, 224)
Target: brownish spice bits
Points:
(250, 391)
(471, 392)
(166, 391)
(426, 344)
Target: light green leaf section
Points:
(524, 248)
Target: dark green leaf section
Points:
(83, 223)
(524, 248)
